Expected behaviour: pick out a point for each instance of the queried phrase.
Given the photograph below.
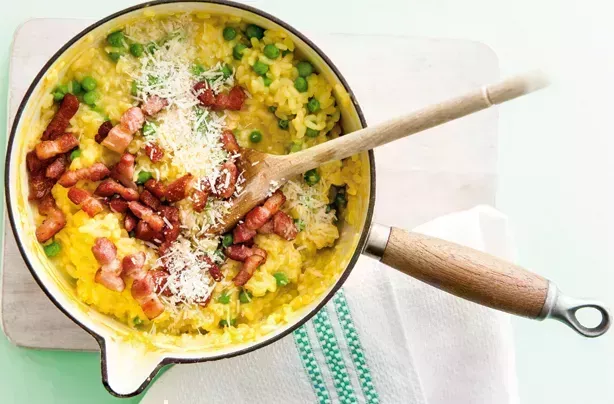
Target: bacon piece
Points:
(34, 164)
(153, 105)
(179, 189)
(284, 226)
(95, 172)
(275, 202)
(109, 273)
(40, 186)
(147, 215)
(150, 200)
(199, 200)
(143, 291)
(230, 142)
(144, 232)
(242, 233)
(226, 182)
(53, 223)
(57, 168)
(132, 265)
(130, 222)
(247, 270)
(204, 93)
(123, 171)
(154, 152)
(160, 277)
(232, 101)
(242, 252)
(59, 123)
(103, 131)
(118, 205)
(171, 214)
(89, 204)
(109, 187)
(51, 148)
(257, 217)
(214, 271)
(266, 228)
(121, 135)
(156, 187)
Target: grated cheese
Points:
(308, 203)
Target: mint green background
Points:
(556, 171)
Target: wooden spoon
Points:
(263, 171)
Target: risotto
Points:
(141, 157)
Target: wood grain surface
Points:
(467, 273)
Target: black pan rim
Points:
(169, 360)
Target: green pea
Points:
(149, 129)
(271, 51)
(229, 33)
(227, 71)
(75, 87)
(286, 52)
(312, 132)
(281, 278)
(304, 68)
(300, 84)
(267, 81)
(143, 177)
(224, 323)
(90, 98)
(237, 51)
(296, 147)
(53, 249)
(312, 177)
(197, 69)
(283, 124)
(227, 240)
(313, 105)
(137, 50)
(58, 96)
(63, 88)
(272, 109)
(114, 56)
(255, 137)
(254, 31)
(75, 154)
(88, 83)
(300, 224)
(260, 68)
(137, 321)
(245, 296)
(224, 298)
(134, 88)
(116, 39)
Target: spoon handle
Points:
(426, 118)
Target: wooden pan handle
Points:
(467, 273)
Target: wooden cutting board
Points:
(443, 170)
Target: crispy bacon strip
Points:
(156, 187)
(118, 205)
(247, 269)
(171, 214)
(132, 265)
(57, 168)
(109, 273)
(160, 278)
(230, 142)
(179, 189)
(199, 200)
(225, 184)
(109, 187)
(154, 152)
(214, 270)
(123, 171)
(144, 292)
(51, 148)
(88, 203)
(204, 93)
(103, 131)
(153, 105)
(242, 233)
(147, 215)
(53, 223)
(59, 123)
(267, 228)
(148, 199)
(144, 232)
(258, 216)
(284, 226)
(121, 135)
(242, 252)
(130, 222)
(232, 101)
(95, 172)
(40, 186)
(34, 164)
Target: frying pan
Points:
(129, 361)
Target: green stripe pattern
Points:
(310, 364)
(356, 350)
(333, 357)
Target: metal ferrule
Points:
(377, 241)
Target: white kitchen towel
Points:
(383, 338)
